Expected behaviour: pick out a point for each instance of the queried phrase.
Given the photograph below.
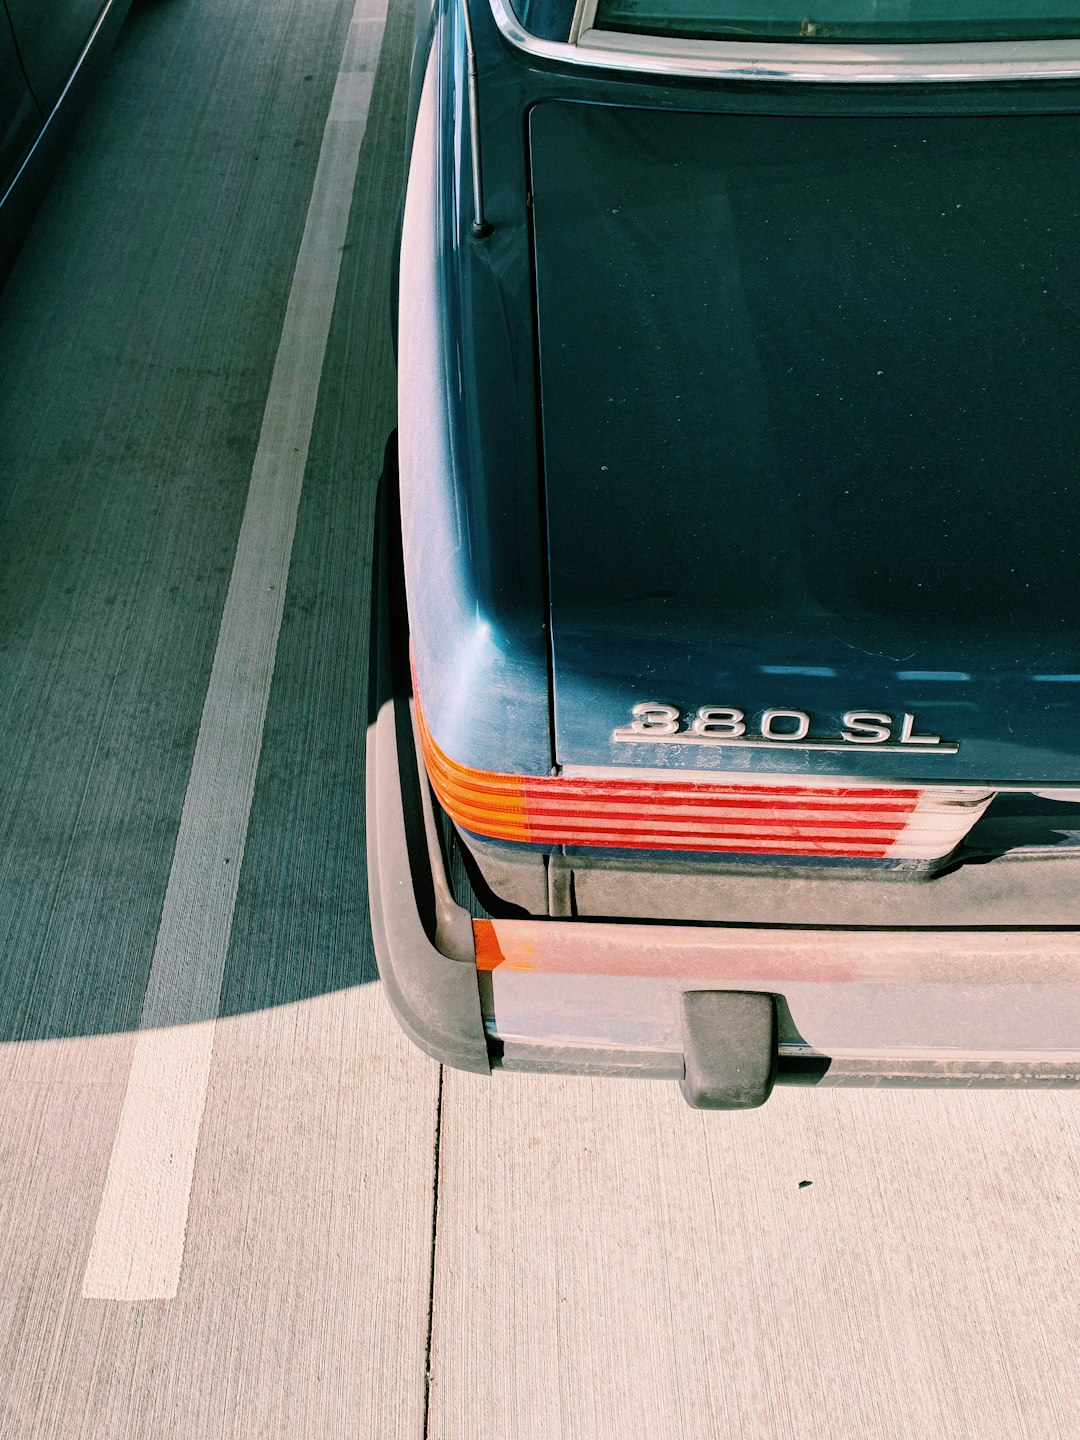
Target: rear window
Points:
(843, 21)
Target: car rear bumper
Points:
(873, 1005)
(853, 1006)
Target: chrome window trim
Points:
(593, 49)
(584, 14)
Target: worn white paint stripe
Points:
(138, 1243)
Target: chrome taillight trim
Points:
(1065, 791)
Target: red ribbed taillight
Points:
(843, 819)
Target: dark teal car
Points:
(50, 54)
(728, 683)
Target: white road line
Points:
(138, 1243)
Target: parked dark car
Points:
(728, 683)
(50, 52)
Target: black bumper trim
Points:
(435, 999)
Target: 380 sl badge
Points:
(654, 723)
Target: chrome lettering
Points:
(908, 737)
(716, 720)
(866, 727)
(652, 719)
(720, 725)
(802, 725)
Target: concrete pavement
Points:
(370, 1248)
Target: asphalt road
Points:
(309, 1231)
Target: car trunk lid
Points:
(810, 439)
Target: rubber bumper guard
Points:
(435, 997)
(730, 1048)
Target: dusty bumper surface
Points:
(946, 1006)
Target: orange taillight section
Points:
(847, 821)
(479, 800)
